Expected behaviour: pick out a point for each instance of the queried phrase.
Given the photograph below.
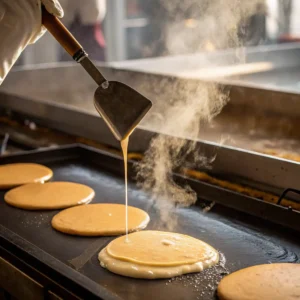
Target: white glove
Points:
(20, 25)
(90, 13)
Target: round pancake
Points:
(103, 219)
(157, 254)
(51, 195)
(166, 248)
(12, 175)
(270, 282)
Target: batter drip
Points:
(124, 146)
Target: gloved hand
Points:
(20, 25)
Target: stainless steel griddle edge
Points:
(230, 162)
(56, 275)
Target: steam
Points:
(187, 104)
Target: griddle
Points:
(68, 266)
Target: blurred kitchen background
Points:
(265, 36)
(135, 29)
(163, 48)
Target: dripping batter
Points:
(124, 146)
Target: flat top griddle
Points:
(242, 240)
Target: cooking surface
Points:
(243, 243)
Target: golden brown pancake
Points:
(157, 254)
(267, 282)
(51, 195)
(12, 175)
(103, 219)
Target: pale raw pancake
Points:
(103, 219)
(157, 254)
(268, 282)
(12, 175)
(51, 195)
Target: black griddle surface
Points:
(242, 242)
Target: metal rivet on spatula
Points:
(105, 85)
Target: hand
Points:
(20, 25)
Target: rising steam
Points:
(189, 104)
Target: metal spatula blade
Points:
(121, 107)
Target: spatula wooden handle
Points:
(60, 33)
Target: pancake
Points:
(51, 195)
(157, 254)
(13, 175)
(101, 219)
(269, 282)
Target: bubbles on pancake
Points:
(167, 242)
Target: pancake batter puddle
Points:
(147, 255)
(49, 196)
(12, 175)
(100, 219)
(268, 281)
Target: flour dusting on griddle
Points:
(203, 284)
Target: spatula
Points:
(121, 107)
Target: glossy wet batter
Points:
(124, 146)
(157, 254)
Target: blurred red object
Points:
(286, 38)
(99, 37)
